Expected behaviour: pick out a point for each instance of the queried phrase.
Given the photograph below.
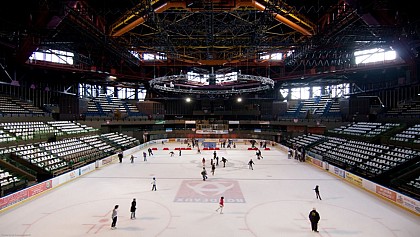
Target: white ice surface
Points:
(277, 197)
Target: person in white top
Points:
(153, 184)
(114, 217)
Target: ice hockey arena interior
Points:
(332, 83)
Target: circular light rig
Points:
(212, 85)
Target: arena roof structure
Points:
(315, 39)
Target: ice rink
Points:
(273, 200)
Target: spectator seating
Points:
(7, 178)
(305, 140)
(364, 129)
(14, 107)
(74, 152)
(363, 158)
(69, 127)
(104, 105)
(60, 156)
(34, 130)
(98, 143)
(414, 183)
(408, 180)
(120, 140)
(411, 134)
(6, 137)
(407, 109)
(37, 156)
(317, 107)
(27, 130)
(55, 158)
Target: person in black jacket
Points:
(120, 156)
(204, 173)
(318, 196)
(133, 209)
(213, 168)
(314, 217)
(224, 160)
(250, 164)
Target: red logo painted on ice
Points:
(209, 191)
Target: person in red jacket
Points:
(221, 205)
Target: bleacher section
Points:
(35, 154)
(27, 130)
(97, 142)
(409, 185)
(7, 179)
(410, 135)
(409, 109)
(6, 137)
(119, 140)
(317, 107)
(415, 183)
(49, 159)
(73, 152)
(382, 163)
(108, 106)
(14, 131)
(364, 129)
(69, 127)
(306, 140)
(14, 107)
(132, 110)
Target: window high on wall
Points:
(374, 55)
(300, 93)
(53, 56)
(155, 56)
(88, 90)
(273, 56)
(303, 93)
